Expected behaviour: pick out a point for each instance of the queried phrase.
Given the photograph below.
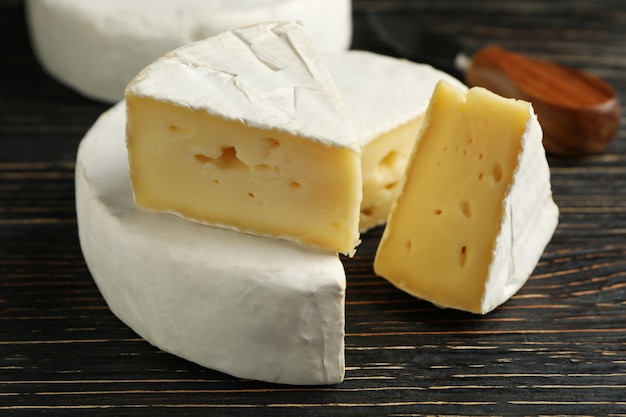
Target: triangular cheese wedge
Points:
(246, 130)
(476, 210)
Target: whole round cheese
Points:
(250, 306)
(98, 46)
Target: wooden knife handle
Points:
(579, 113)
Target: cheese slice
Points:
(386, 99)
(250, 306)
(98, 46)
(476, 210)
(246, 130)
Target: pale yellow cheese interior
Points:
(222, 172)
(383, 162)
(440, 238)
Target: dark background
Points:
(557, 347)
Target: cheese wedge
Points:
(386, 99)
(246, 130)
(476, 210)
(97, 46)
(249, 306)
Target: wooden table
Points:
(557, 347)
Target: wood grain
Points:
(558, 347)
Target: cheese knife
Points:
(579, 112)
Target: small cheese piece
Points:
(98, 46)
(246, 130)
(476, 209)
(386, 98)
(250, 306)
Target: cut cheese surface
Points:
(174, 282)
(246, 130)
(383, 162)
(476, 209)
(98, 46)
(386, 99)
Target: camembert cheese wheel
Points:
(250, 306)
(476, 211)
(246, 130)
(386, 99)
(98, 46)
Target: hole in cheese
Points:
(270, 144)
(437, 212)
(463, 256)
(266, 168)
(367, 211)
(391, 185)
(496, 174)
(180, 131)
(226, 161)
(273, 143)
(295, 184)
(466, 209)
(389, 160)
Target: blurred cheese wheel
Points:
(97, 46)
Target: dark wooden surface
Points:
(557, 347)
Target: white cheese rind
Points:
(98, 46)
(529, 221)
(269, 76)
(253, 307)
